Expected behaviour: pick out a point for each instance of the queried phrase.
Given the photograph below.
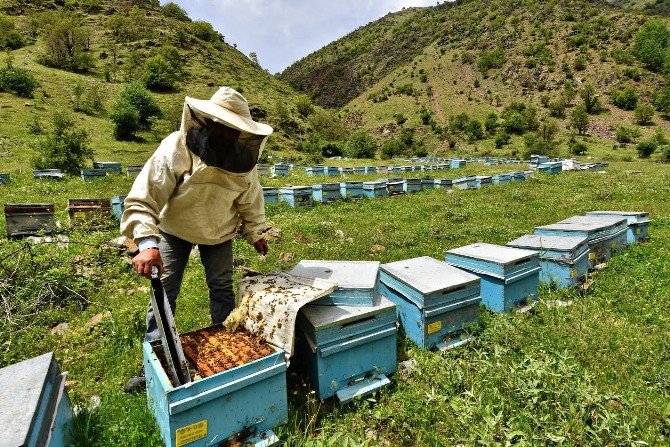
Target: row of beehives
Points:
(346, 342)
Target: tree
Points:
(361, 144)
(66, 45)
(591, 99)
(126, 120)
(10, 37)
(140, 99)
(327, 125)
(651, 42)
(458, 123)
(17, 81)
(159, 74)
(474, 131)
(646, 148)
(393, 148)
(253, 57)
(625, 99)
(579, 119)
(491, 123)
(644, 114)
(625, 135)
(174, 11)
(205, 31)
(304, 106)
(65, 147)
(502, 139)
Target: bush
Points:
(491, 123)
(474, 131)
(400, 118)
(332, 149)
(491, 59)
(665, 154)
(10, 37)
(126, 120)
(644, 114)
(304, 106)
(557, 107)
(327, 125)
(502, 139)
(661, 100)
(646, 148)
(90, 101)
(159, 74)
(651, 42)
(65, 147)
(625, 99)
(405, 89)
(361, 144)
(393, 148)
(205, 31)
(514, 123)
(579, 119)
(591, 100)
(426, 116)
(458, 123)
(66, 45)
(174, 11)
(140, 98)
(578, 148)
(17, 81)
(625, 135)
(579, 64)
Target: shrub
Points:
(578, 148)
(140, 98)
(17, 81)
(405, 89)
(332, 149)
(644, 114)
(205, 31)
(661, 100)
(491, 123)
(646, 148)
(10, 37)
(458, 123)
(426, 116)
(66, 45)
(392, 148)
(361, 144)
(579, 119)
(159, 74)
(490, 59)
(514, 122)
(407, 137)
(467, 58)
(579, 64)
(659, 137)
(591, 100)
(502, 139)
(665, 154)
(65, 147)
(625, 135)
(557, 107)
(327, 125)
(304, 106)
(400, 118)
(174, 11)
(89, 100)
(474, 130)
(651, 42)
(625, 99)
(126, 120)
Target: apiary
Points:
(434, 301)
(483, 181)
(564, 259)
(118, 206)
(315, 170)
(133, 171)
(55, 174)
(93, 174)
(445, 184)
(605, 235)
(271, 195)
(428, 183)
(502, 179)
(279, 170)
(4, 179)
(351, 190)
(332, 170)
(455, 164)
(296, 195)
(357, 281)
(89, 212)
(29, 219)
(551, 167)
(412, 185)
(509, 276)
(370, 169)
(395, 186)
(239, 388)
(35, 409)
(326, 192)
(374, 190)
(111, 167)
(348, 351)
(638, 223)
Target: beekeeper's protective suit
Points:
(197, 189)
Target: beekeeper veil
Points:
(222, 133)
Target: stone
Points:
(97, 319)
(61, 329)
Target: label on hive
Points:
(79, 214)
(573, 273)
(638, 231)
(592, 256)
(614, 245)
(191, 433)
(434, 327)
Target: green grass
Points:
(595, 373)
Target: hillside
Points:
(123, 36)
(418, 68)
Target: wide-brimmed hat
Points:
(231, 108)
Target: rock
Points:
(408, 367)
(339, 233)
(61, 329)
(97, 319)
(273, 234)
(28, 104)
(377, 248)
(286, 257)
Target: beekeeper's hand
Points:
(146, 259)
(261, 247)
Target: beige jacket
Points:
(178, 193)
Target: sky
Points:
(284, 31)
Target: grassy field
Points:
(595, 373)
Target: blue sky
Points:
(283, 31)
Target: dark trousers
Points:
(218, 263)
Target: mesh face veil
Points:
(221, 146)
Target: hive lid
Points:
(347, 274)
(557, 243)
(635, 216)
(25, 390)
(322, 317)
(428, 275)
(496, 254)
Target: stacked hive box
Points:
(271, 195)
(296, 195)
(374, 190)
(29, 219)
(351, 190)
(638, 223)
(326, 192)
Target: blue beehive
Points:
(370, 169)
(279, 169)
(509, 276)
(111, 167)
(56, 174)
(315, 170)
(271, 195)
(528, 174)
(262, 169)
(359, 170)
(442, 183)
(133, 171)
(455, 164)
(326, 192)
(460, 183)
(435, 301)
(4, 179)
(93, 174)
(296, 195)
(605, 235)
(29, 219)
(395, 186)
(428, 183)
(332, 170)
(348, 351)
(551, 168)
(374, 190)
(351, 190)
(638, 223)
(564, 259)
(248, 399)
(502, 179)
(357, 281)
(118, 206)
(442, 167)
(536, 160)
(35, 409)
(345, 171)
(483, 181)
(518, 176)
(412, 185)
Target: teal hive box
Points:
(395, 186)
(502, 179)
(315, 170)
(118, 206)
(536, 160)
(351, 190)
(483, 181)
(605, 235)
(55, 174)
(326, 192)
(509, 276)
(359, 170)
(638, 223)
(357, 281)
(271, 195)
(445, 184)
(435, 301)
(332, 170)
(455, 164)
(111, 167)
(551, 167)
(564, 259)
(34, 405)
(250, 399)
(460, 183)
(347, 351)
(412, 185)
(279, 170)
(428, 183)
(133, 171)
(518, 176)
(345, 171)
(93, 174)
(373, 190)
(297, 195)
(29, 219)
(370, 169)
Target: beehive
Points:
(29, 219)
(332, 170)
(279, 170)
(92, 213)
(326, 192)
(271, 195)
(133, 171)
(359, 170)
(296, 195)
(428, 183)
(93, 174)
(518, 176)
(395, 186)
(351, 190)
(564, 259)
(483, 181)
(315, 170)
(118, 206)
(509, 276)
(460, 183)
(502, 179)
(374, 190)
(345, 171)
(111, 167)
(445, 184)
(412, 185)
(55, 174)
(455, 164)
(370, 169)
(638, 223)
(551, 167)
(434, 301)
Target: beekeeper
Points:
(198, 188)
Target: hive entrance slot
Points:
(458, 289)
(357, 322)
